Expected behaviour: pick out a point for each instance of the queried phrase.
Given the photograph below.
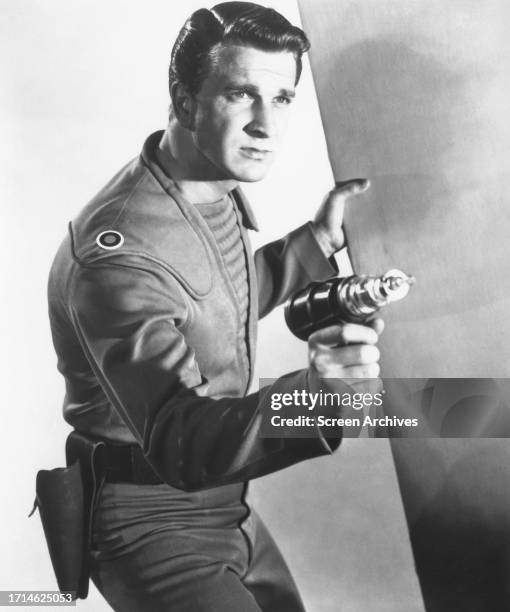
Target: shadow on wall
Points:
(387, 94)
(418, 130)
(456, 498)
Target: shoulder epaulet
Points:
(134, 216)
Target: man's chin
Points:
(252, 174)
(250, 178)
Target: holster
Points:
(66, 498)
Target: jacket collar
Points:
(149, 158)
(245, 209)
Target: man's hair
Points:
(239, 23)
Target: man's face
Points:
(241, 111)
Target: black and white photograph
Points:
(256, 345)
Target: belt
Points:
(122, 463)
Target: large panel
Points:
(414, 94)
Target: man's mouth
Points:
(254, 153)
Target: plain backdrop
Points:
(83, 84)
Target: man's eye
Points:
(283, 100)
(239, 95)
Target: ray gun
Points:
(353, 299)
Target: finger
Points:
(366, 385)
(330, 361)
(377, 325)
(354, 354)
(351, 187)
(344, 333)
(370, 370)
(341, 384)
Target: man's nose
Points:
(262, 124)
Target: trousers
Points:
(158, 549)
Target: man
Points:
(154, 298)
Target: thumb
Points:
(351, 186)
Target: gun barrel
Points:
(352, 299)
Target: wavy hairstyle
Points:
(240, 23)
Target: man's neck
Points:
(187, 167)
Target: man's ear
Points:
(183, 105)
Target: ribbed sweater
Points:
(222, 221)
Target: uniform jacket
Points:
(146, 333)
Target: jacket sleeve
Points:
(289, 264)
(130, 321)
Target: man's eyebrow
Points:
(290, 93)
(232, 86)
(254, 91)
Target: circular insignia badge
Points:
(109, 240)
